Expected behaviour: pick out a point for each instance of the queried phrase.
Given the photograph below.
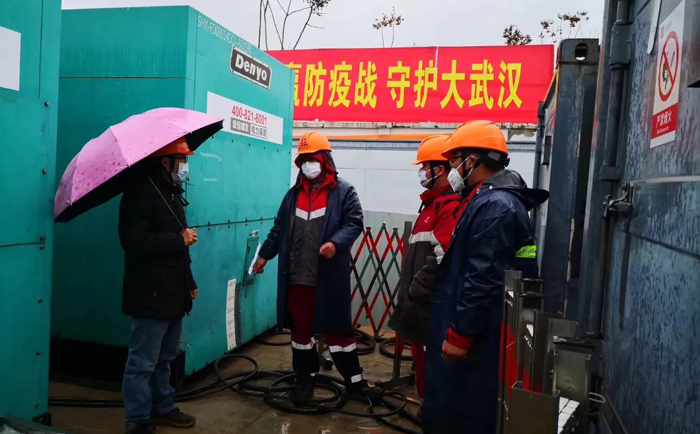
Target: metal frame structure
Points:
(562, 160)
(545, 370)
(377, 255)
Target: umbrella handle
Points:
(166, 203)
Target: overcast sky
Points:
(348, 23)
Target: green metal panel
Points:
(218, 258)
(238, 181)
(24, 330)
(133, 42)
(28, 141)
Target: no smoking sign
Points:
(668, 71)
(668, 66)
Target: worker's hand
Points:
(194, 293)
(327, 250)
(259, 266)
(190, 236)
(452, 353)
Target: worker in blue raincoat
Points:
(461, 386)
(318, 222)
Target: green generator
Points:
(119, 62)
(29, 58)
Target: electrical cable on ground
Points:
(391, 342)
(276, 394)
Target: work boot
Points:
(361, 391)
(143, 428)
(303, 394)
(175, 418)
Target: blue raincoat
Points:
(468, 297)
(342, 226)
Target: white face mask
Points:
(424, 181)
(311, 169)
(455, 180)
(183, 170)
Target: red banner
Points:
(432, 84)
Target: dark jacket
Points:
(430, 237)
(343, 223)
(307, 224)
(157, 274)
(468, 298)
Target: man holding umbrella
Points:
(319, 220)
(158, 285)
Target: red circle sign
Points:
(666, 65)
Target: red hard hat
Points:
(178, 147)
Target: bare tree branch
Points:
(315, 27)
(311, 10)
(314, 7)
(299, 10)
(286, 17)
(274, 21)
(514, 36)
(260, 9)
(267, 46)
(392, 21)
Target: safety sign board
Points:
(245, 120)
(231, 315)
(10, 56)
(668, 78)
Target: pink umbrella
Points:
(95, 174)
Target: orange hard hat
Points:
(431, 149)
(477, 135)
(313, 142)
(178, 147)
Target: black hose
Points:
(186, 396)
(403, 413)
(366, 344)
(272, 394)
(391, 342)
(327, 405)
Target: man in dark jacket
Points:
(158, 286)
(431, 235)
(319, 220)
(461, 388)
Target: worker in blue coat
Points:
(318, 222)
(461, 386)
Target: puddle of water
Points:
(369, 426)
(285, 424)
(371, 430)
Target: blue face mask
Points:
(183, 171)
